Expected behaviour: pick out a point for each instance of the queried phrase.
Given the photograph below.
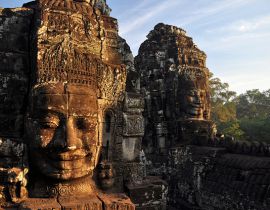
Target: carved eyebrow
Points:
(89, 115)
(40, 112)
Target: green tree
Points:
(253, 104)
(253, 112)
(256, 129)
(224, 108)
(232, 128)
(246, 116)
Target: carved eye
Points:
(85, 124)
(48, 121)
(48, 125)
(81, 124)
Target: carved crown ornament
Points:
(192, 73)
(71, 66)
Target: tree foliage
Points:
(256, 129)
(253, 104)
(246, 116)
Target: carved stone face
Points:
(194, 100)
(106, 175)
(62, 131)
(194, 96)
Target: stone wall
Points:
(212, 178)
(14, 77)
(14, 69)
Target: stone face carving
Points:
(63, 108)
(193, 93)
(62, 130)
(174, 82)
(106, 175)
(77, 75)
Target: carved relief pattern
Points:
(111, 81)
(66, 189)
(133, 125)
(71, 52)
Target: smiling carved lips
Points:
(195, 110)
(69, 160)
(68, 155)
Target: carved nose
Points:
(66, 137)
(72, 141)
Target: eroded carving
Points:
(193, 93)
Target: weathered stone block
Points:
(13, 83)
(133, 125)
(13, 63)
(131, 148)
(11, 126)
(116, 201)
(9, 148)
(78, 203)
(15, 20)
(14, 42)
(133, 103)
(151, 192)
(40, 204)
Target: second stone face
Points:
(174, 83)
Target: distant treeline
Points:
(245, 116)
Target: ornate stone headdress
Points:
(72, 53)
(192, 73)
(70, 66)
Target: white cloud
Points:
(253, 24)
(213, 8)
(244, 25)
(131, 12)
(218, 6)
(135, 23)
(246, 34)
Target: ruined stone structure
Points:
(202, 171)
(82, 127)
(174, 82)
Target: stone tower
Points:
(174, 82)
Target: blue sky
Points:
(235, 34)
